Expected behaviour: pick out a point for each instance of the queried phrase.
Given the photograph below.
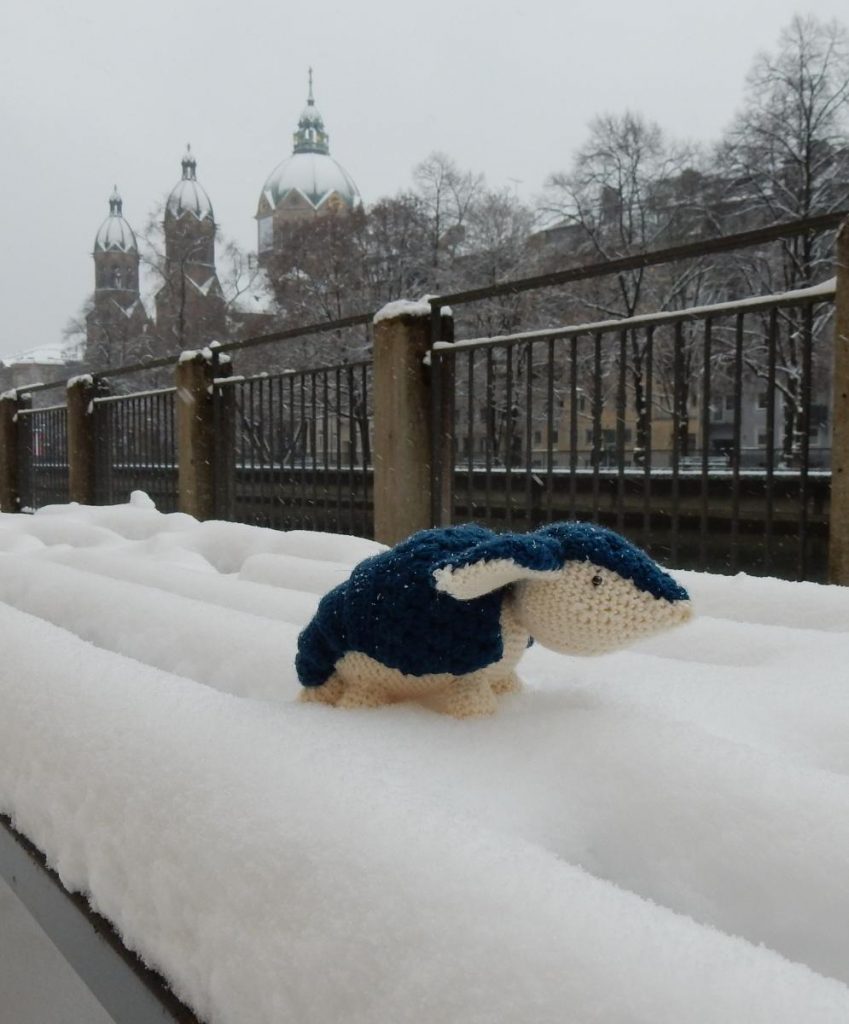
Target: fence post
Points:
(403, 421)
(195, 435)
(838, 544)
(81, 439)
(10, 497)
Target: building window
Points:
(266, 234)
(537, 437)
(762, 399)
(555, 437)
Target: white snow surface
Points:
(659, 835)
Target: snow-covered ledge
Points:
(407, 307)
(402, 307)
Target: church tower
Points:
(309, 183)
(190, 308)
(117, 326)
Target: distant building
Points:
(309, 183)
(117, 325)
(38, 366)
(190, 306)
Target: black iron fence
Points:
(136, 447)
(690, 431)
(42, 455)
(703, 432)
(294, 449)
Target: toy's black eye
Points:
(597, 581)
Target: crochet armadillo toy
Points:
(444, 617)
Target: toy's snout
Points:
(585, 609)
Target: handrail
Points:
(824, 292)
(128, 990)
(722, 243)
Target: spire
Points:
(311, 136)
(189, 164)
(115, 202)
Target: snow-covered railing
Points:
(128, 990)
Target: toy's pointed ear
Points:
(496, 563)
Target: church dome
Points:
(315, 175)
(310, 170)
(115, 234)
(188, 196)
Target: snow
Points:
(82, 379)
(659, 835)
(402, 307)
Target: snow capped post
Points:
(838, 549)
(196, 434)
(403, 420)
(10, 500)
(82, 440)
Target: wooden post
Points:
(81, 439)
(10, 497)
(838, 547)
(403, 421)
(195, 436)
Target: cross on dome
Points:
(311, 136)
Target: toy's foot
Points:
(465, 700)
(509, 684)
(328, 693)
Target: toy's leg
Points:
(465, 699)
(509, 684)
(363, 694)
(328, 693)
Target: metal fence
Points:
(702, 433)
(42, 455)
(136, 447)
(683, 430)
(294, 449)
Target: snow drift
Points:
(657, 835)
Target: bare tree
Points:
(786, 156)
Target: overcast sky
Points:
(95, 93)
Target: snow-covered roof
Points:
(42, 354)
(315, 175)
(189, 197)
(115, 235)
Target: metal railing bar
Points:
(770, 438)
(36, 412)
(705, 247)
(738, 428)
(105, 399)
(784, 300)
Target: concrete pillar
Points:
(10, 499)
(81, 439)
(195, 435)
(838, 550)
(403, 421)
